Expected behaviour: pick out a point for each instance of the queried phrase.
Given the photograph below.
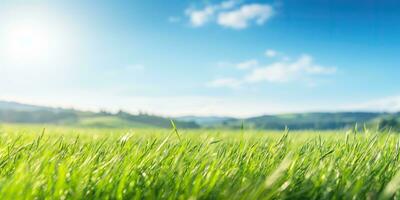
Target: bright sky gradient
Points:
(181, 57)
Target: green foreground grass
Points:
(67, 163)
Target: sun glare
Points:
(34, 36)
(28, 42)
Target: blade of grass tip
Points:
(76, 140)
(387, 140)
(43, 131)
(284, 136)
(391, 187)
(326, 154)
(163, 142)
(40, 137)
(242, 130)
(278, 172)
(397, 150)
(320, 142)
(355, 129)
(347, 138)
(378, 128)
(365, 129)
(215, 141)
(175, 130)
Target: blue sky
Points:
(237, 58)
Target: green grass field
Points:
(73, 163)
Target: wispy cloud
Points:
(230, 14)
(390, 104)
(246, 14)
(281, 71)
(200, 17)
(247, 64)
(271, 53)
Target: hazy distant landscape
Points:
(12, 112)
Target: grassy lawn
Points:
(84, 163)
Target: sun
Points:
(29, 41)
(37, 40)
(36, 36)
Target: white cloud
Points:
(200, 17)
(247, 64)
(230, 14)
(271, 53)
(288, 71)
(228, 4)
(240, 18)
(303, 69)
(225, 82)
(390, 104)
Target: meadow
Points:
(84, 163)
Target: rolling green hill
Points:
(11, 112)
(314, 120)
(301, 121)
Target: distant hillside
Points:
(317, 121)
(205, 121)
(8, 105)
(11, 112)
